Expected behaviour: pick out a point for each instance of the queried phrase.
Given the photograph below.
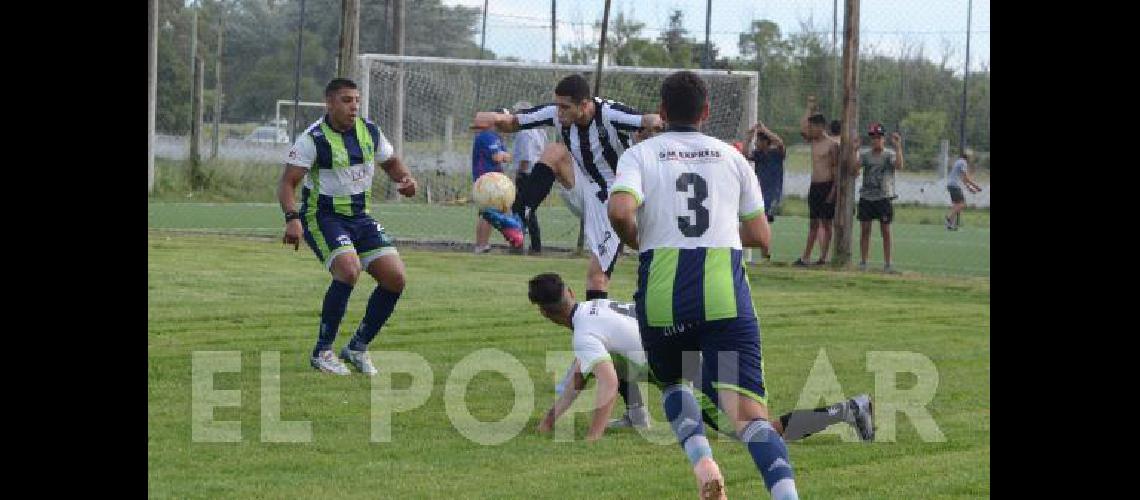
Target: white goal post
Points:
(425, 104)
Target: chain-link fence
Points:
(911, 79)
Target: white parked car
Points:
(269, 135)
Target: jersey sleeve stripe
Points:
(624, 189)
(752, 215)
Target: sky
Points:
(521, 28)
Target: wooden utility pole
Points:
(218, 81)
(553, 31)
(349, 39)
(196, 125)
(845, 192)
(152, 91)
(193, 55)
(398, 125)
(597, 92)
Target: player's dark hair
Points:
(682, 95)
(337, 84)
(575, 87)
(817, 119)
(545, 290)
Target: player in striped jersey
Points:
(336, 158)
(689, 202)
(595, 133)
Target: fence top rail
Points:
(538, 65)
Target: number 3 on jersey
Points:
(695, 225)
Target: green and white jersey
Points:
(341, 166)
(878, 174)
(692, 192)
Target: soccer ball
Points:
(493, 190)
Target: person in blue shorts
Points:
(336, 158)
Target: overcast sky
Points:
(521, 28)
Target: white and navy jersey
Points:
(595, 148)
(692, 190)
(341, 166)
(605, 330)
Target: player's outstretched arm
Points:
(604, 402)
(399, 173)
(569, 394)
(652, 122)
(502, 122)
(623, 216)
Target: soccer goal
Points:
(424, 105)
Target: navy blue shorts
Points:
(727, 352)
(330, 235)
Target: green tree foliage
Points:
(924, 130)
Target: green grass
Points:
(918, 246)
(215, 293)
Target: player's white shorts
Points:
(600, 236)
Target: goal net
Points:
(426, 113)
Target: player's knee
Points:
(394, 282)
(554, 155)
(347, 271)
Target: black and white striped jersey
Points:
(596, 148)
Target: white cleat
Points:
(326, 362)
(359, 359)
(635, 417)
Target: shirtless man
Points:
(821, 194)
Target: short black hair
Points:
(575, 87)
(337, 84)
(682, 95)
(817, 119)
(761, 136)
(836, 127)
(545, 290)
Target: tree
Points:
(924, 129)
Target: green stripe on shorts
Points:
(659, 287)
(719, 292)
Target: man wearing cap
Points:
(878, 166)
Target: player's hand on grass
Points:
(407, 186)
(546, 424)
(292, 234)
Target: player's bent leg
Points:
(556, 158)
(345, 268)
(388, 269)
(731, 364)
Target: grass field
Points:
(224, 293)
(921, 243)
